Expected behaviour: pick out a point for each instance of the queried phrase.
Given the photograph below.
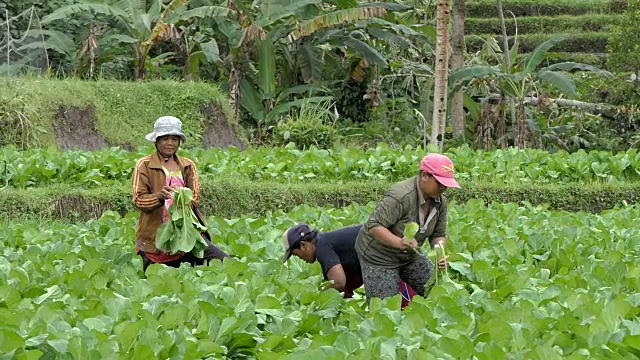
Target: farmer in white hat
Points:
(155, 176)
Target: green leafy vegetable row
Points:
(524, 283)
(44, 167)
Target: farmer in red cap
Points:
(386, 258)
(336, 253)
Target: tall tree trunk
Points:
(139, 69)
(426, 108)
(457, 62)
(234, 90)
(522, 136)
(507, 61)
(441, 74)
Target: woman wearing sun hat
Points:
(385, 257)
(155, 176)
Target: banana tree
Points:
(139, 24)
(199, 45)
(278, 49)
(266, 102)
(523, 79)
(247, 53)
(322, 29)
(370, 36)
(81, 60)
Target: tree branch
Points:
(608, 111)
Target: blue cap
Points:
(292, 238)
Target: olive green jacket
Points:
(400, 205)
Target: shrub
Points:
(597, 60)
(232, 198)
(313, 125)
(395, 122)
(617, 90)
(20, 123)
(624, 42)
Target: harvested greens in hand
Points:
(410, 231)
(183, 231)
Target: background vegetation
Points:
(324, 75)
(543, 250)
(333, 72)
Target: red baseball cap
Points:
(441, 168)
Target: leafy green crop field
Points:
(512, 166)
(525, 283)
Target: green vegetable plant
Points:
(183, 232)
(410, 230)
(526, 283)
(43, 167)
(439, 254)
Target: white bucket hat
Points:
(166, 125)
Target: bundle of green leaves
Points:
(410, 231)
(183, 232)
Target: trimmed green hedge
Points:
(543, 24)
(230, 198)
(487, 8)
(576, 43)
